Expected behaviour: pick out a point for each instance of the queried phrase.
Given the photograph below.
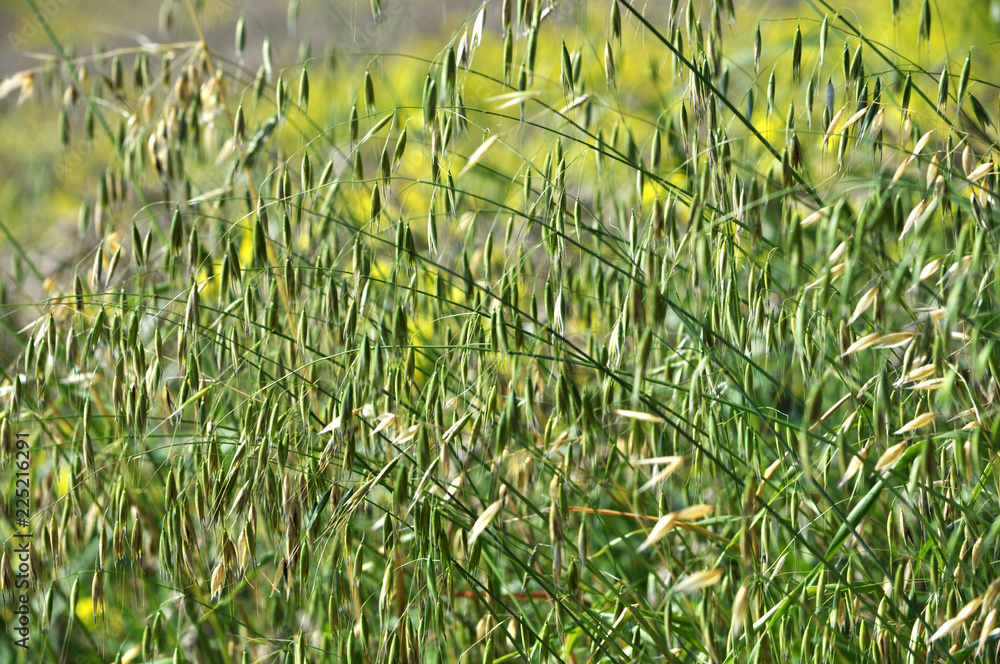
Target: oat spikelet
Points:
(930, 384)
(218, 578)
(637, 415)
(839, 252)
(97, 593)
(740, 603)
(331, 427)
(991, 619)
(834, 271)
(889, 458)
(866, 301)
(930, 269)
(484, 521)
(918, 373)
(918, 422)
(669, 460)
(455, 428)
(862, 343)
(854, 118)
(894, 340)
(980, 172)
(899, 171)
(699, 580)
(695, 512)
(921, 144)
(813, 218)
(671, 465)
(833, 123)
(385, 420)
(913, 218)
(855, 465)
(955, 623)
(407, 435)
(770, 470)
(831, 410)
(668, 521)
(478, 154)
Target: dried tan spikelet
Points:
(918, 422)
(478, 154)
(862, 343)
(638, 415)
(833, 123)
(918, 373)
(894, 340)
(977, 553)
(930, 384)
(889, 457)
(968, 412)
(407, 435)
(831, 410)
(848, 421)
(698, 581)
(243, 549)
(131, 654)
(899, 171)
(988, 623)
(668, 521)
(770, 470)
(992, 594)
(913, 218)
(670, 466)
(484, 521)
(513, 98)
(834, 271)
(854, 118)
(855, 465)
(656, 461)
(385, 420)
(574, 103)
(932, 171)
(694, 512)
(921, 144)
(980, 171)
(218, 578)
(866, 301)
(740, 604)
(877, 122)
(23, 81)
(929, 269)
(839, 251)
(959, 268)
(953, 624)
(659, 531)
(959, 335)
(968, 160)
(813, 218)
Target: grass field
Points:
(529, 331)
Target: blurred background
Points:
(45, 174)
(41, 184)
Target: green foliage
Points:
(555, 345)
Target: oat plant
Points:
(589, 332)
